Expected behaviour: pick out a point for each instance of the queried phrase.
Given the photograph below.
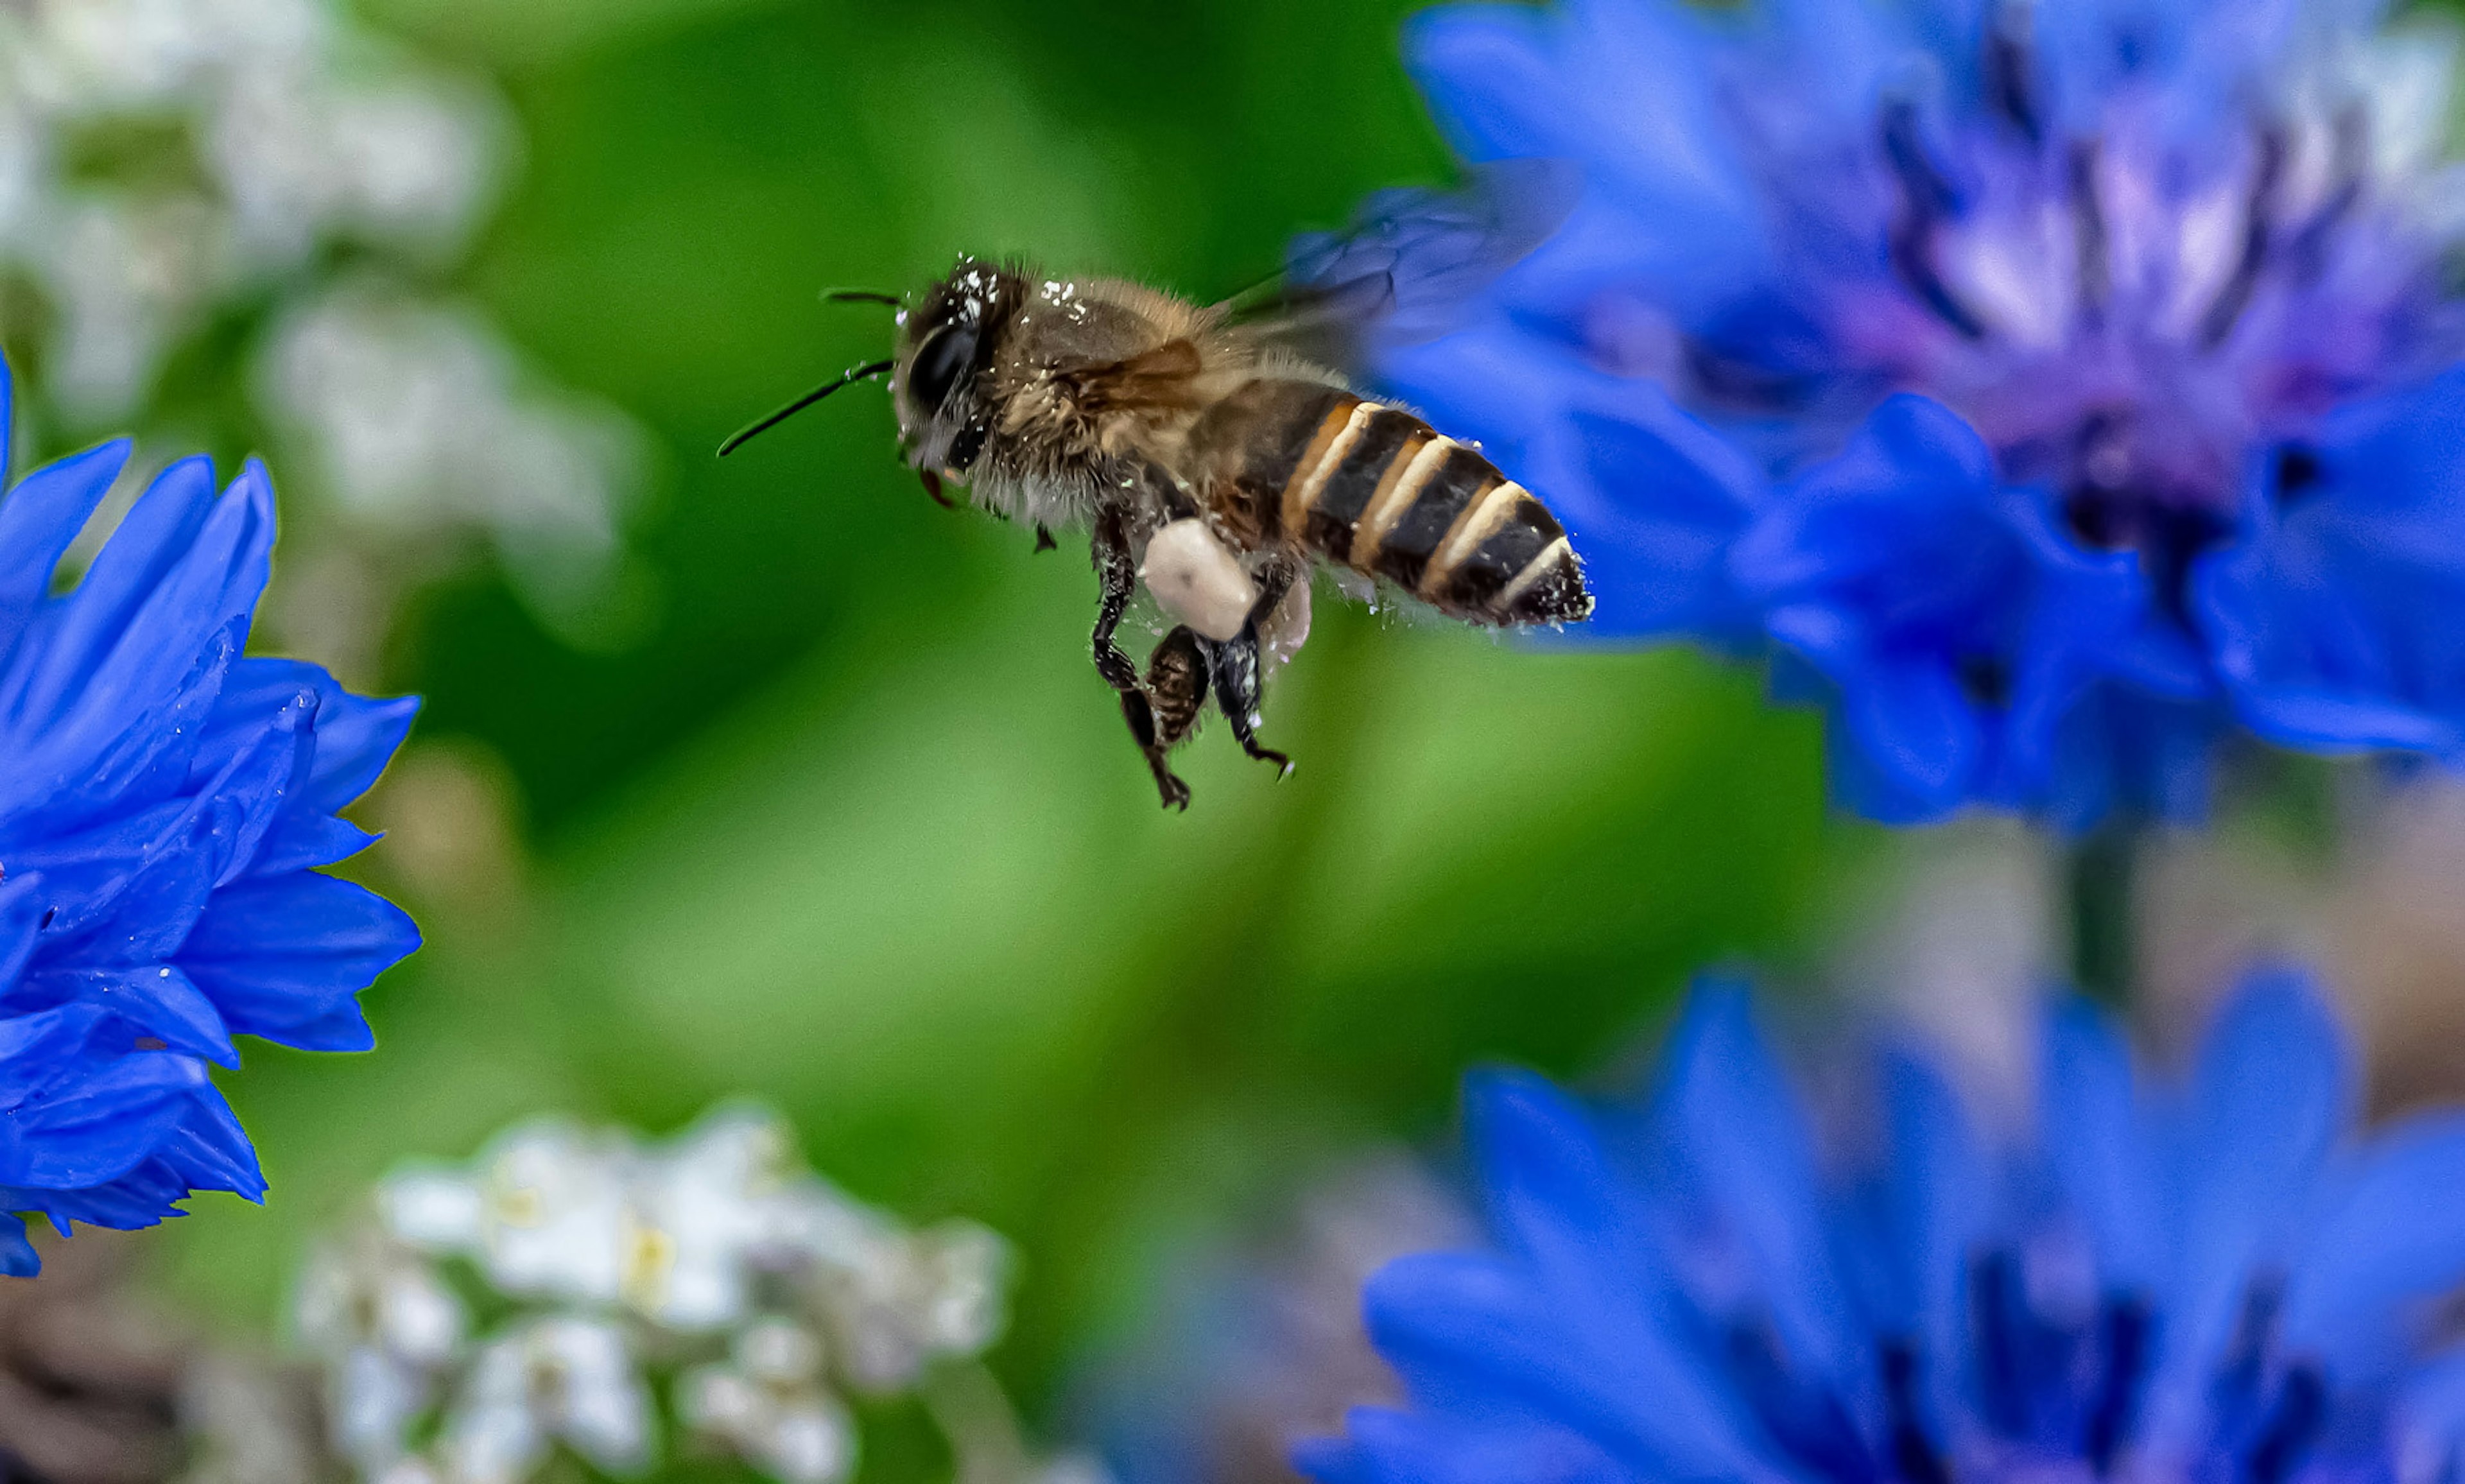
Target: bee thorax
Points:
(1197, 580)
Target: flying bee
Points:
(1215, 452)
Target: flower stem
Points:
(2105, 941)
(974, 1414)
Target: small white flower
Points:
(962, 1306)
(702, 1206)
(779, 1352)
(410, 1471)
(561, 1378)
(419, 419)
(553, 1212)
(386, 1325)
(903, 1300)
(268, 132)
(601, 1239)
(432, 1208)
(720, 1400)
(373, 1399)
(403, 160)
(769, 1405)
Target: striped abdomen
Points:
(1380, 490)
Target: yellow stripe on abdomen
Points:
(1409, 474)
(1342, 429)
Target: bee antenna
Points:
(862, 297)
(860, 373)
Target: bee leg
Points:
(1234, 663)
(1044, 541)
(1177, 685)
(1176, 693)
(1275, 579)
(1141, 718)
(1119, 577)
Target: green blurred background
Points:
(853, 825)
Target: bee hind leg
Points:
(1141, 718)
(1235, 667)
(1234, 663)
(1176, 693)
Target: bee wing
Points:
(1401, 272)
(1164, 376)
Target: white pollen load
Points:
(1198, 581)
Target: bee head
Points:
(945, 347)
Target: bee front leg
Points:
(1119, 577)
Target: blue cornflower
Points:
(2050, 387)
(164, 802)
(2217, 1281)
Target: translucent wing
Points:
(1162, 377)
(1411, 259)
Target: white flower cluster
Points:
(758, 1290)
(167, 165)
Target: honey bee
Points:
(1215, 453)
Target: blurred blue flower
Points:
(2170, 278)
(163, 803)
(2221, 1281)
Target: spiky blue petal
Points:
(2217, 1280)
(164, 799)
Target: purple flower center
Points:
(2060, 1398)
(2127, 311)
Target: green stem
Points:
(974, 1414)
(2105, 941)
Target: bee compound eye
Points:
(939, 361)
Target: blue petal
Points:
(2393, 1234)
(1483, 68)
(98, 1120)
(2431, 1409)
(159, 536)
(1917, 727)
(2098, 1145)
(1942, 1202)
(154, 775)
(281, 958)
(155, 1000)
(1731, 1166)
(1399, 1448)
(2328, 620)
(17, 1259)
(1473, 1331)
(132, 633)
(2269, 1096)
(301, 841)
(41, 515)
(1652, 499)
(1622, 88)
(1557, 1203)
(75, 776)
(356, 736)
